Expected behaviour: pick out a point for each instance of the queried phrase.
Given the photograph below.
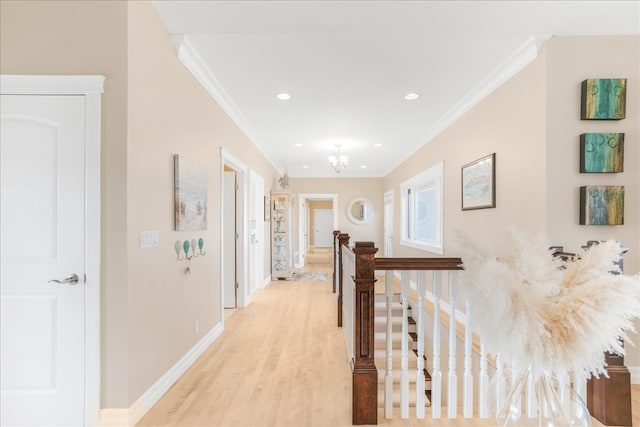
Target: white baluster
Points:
(452, 378)
(468, 376)
(436, 376)
(388, 378)
(563, 384)
(532, 401)
(404, 377)
(422, 279)
(516, 400)
(483, 387)
(500, 385)
(580, 386)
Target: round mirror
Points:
(360, 210)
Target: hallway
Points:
(279, 362)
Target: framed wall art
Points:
(479, 183)
(190, 195)
(603, 99)
(601, 152)
(602, 205)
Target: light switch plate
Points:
(149, 239)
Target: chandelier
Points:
(339, 161)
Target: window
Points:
(422, 210)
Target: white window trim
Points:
(434, 175)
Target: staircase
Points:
(380, 328)
(319, 257)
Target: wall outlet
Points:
(149, 239)
(196, 327)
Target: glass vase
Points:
(518, 398)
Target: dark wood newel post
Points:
(364, 374)
(343, 239)
(335, 267)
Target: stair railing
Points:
(418, 284)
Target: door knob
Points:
(71, 280)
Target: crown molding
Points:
(198, 68)
(522, 56)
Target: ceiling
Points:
(348, 64)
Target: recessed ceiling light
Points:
(377, 145)
(411, 96)
(297, 145)
(363, 166)
(305, 167)
(283, 96)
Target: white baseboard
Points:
(114, 418)
(635, 374)
(266, 281)
(150, 397)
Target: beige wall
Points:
(347, 189)
(148, 303)
(571, 60)
(74, 37)
(167, 119)
(510, 122)
(533, 124)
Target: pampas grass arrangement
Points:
(537, 312)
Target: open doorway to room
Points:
(317, 218)
(233, 231)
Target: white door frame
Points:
(91, 87)
(242, 228)
(388, 234)
(256, 270)
(302, 223)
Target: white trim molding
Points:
(150, 397)
(193, 62)
(520, 58)
(91, 87)
(50, 85)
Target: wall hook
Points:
(194, 247)
(178, 247)
(186, 245)
(201, 245)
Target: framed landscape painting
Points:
(479, 183)
(190, 195)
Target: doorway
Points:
(322, 227)
(50, 238)
(234, 231)
(304, 221)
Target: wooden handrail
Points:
(418, 264)
(343, 239)
(364, 373)
(335, 255)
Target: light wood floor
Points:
(279, 362)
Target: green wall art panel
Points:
(603, 99)
(602, 205)
(601, 152)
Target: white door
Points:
(256, 248)
(323, 228)
(42, 349)
(229, 240)
(388, 224)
